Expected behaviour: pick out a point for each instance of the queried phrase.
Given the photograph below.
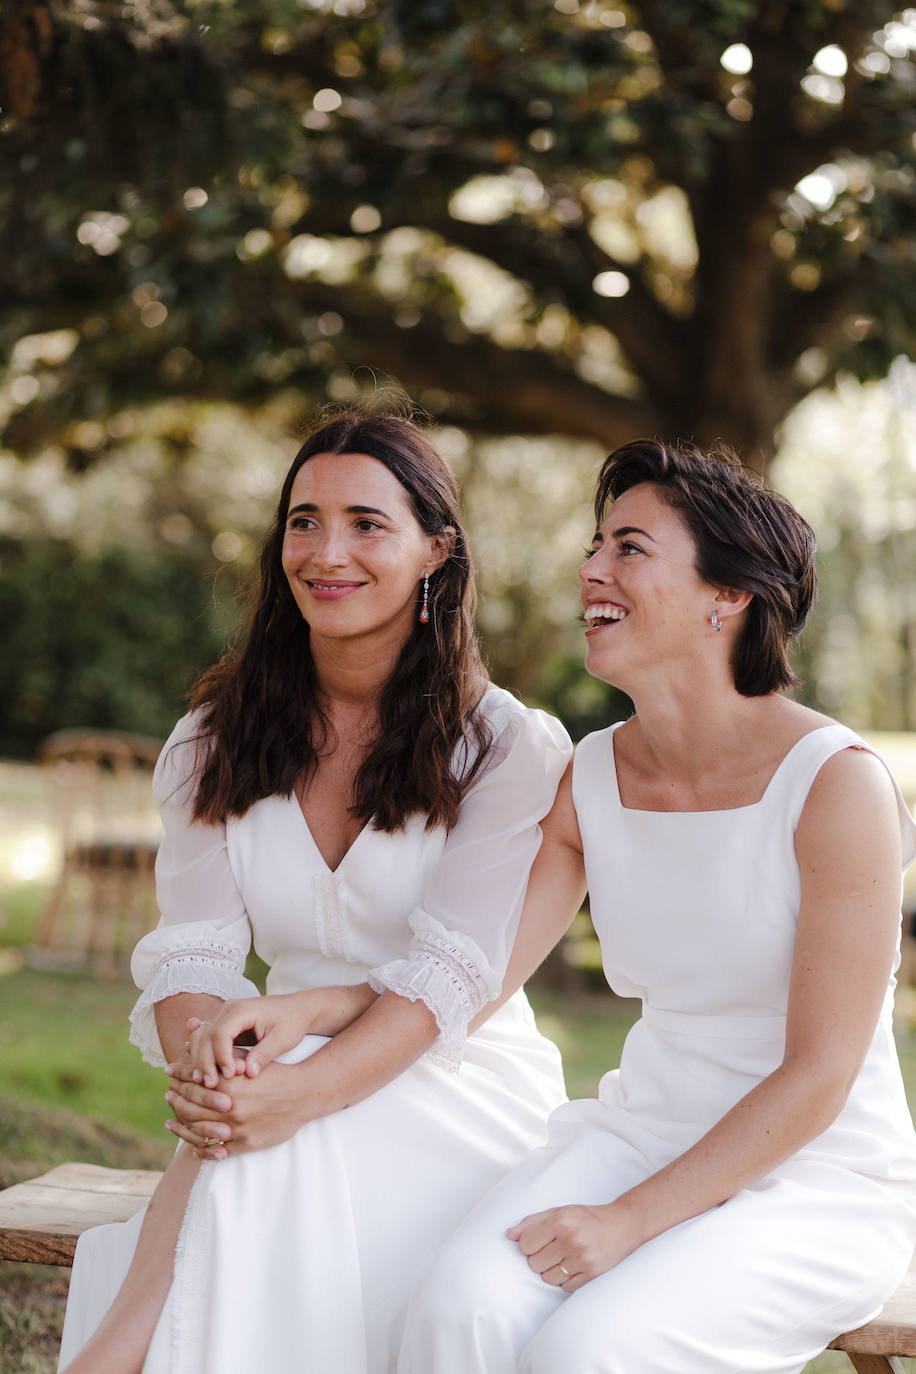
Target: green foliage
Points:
(848, 461)
(112, 640)
(277, 194)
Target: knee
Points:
(554, 1350)
(613, 1343)
(473, 1310)
(591, 1342)
(455, 1288)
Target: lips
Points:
(331, 591)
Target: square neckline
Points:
(711, 811)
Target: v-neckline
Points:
(315, 845)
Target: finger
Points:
(197, 1095)
(198, 1143)
(183, 1070)
(203, 1056)
(234, 1018)
(534, 1238)
(212, 1133)
(193, 1025)
(188, 1112)
(273, 1042)
(556, 1274)
(188, 1115)
(547, 1258)
(515, 1231)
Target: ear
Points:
(441, 547)
(729, 601)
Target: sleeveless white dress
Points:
(696, 913)
(302, 1256)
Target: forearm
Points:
(328, 1011)
(774, 1120)
(372, 1051)
(172, 1015)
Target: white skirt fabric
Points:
(759, 1285)
(303, 1256)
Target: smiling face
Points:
(646, 605)
(354, 553)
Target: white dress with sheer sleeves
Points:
(696, 913)
(302, 1256)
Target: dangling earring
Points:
(424, 609)
(715, 621)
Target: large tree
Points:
(589, 217)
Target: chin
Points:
(601, 670)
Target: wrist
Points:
(309, 1009)
(340, 1006)
(628, 1216)
(307, 1097)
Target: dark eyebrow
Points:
(632, 529)
(309, 508)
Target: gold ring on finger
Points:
(211, 1141)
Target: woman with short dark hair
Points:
(744, 1187)
(353, 795)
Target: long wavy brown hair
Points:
(261, 723)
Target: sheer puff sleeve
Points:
(203, 936)
(464, 931)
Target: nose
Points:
(330, 549)
(592, 570)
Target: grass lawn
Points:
(67, 1046)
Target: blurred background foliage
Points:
(556, 225)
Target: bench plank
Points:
(875, 1364)
(41, 1220)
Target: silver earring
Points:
(424, 609)
(715, 620)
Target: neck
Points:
(351, 674)
(690, 728)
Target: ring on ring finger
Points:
(212, 1141)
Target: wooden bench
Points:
(41, 1220)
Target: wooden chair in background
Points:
(103, 899)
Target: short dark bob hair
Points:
(747, 538)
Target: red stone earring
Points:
(424, 609)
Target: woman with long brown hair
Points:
(351, 792)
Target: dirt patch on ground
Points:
(32, 1302)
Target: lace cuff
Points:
(209, 969)
(449, 974)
